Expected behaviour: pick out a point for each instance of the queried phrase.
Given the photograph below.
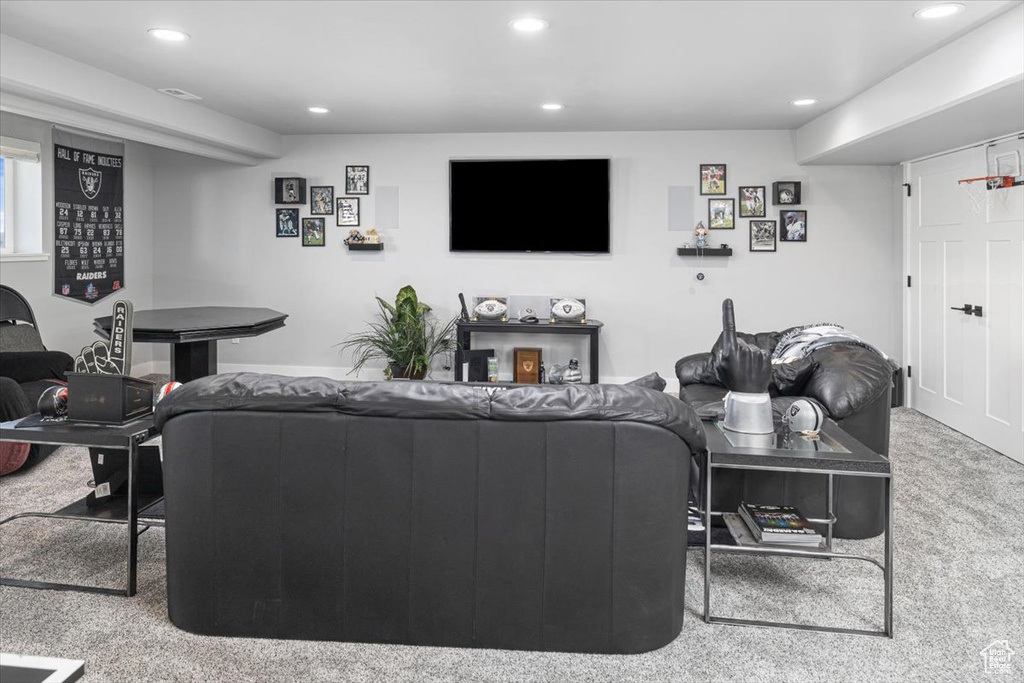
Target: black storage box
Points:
(108, 399)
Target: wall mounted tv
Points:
(528, 205)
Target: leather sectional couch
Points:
(538, 518)
(853, 385)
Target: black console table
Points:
(465, 331)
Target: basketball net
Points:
(978, 190)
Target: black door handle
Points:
(967, 309)
(977, 311)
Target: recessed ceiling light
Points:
(946, 9)
(551, 106)
(805, 102)
(528, 24)
(168, 34)
(319, 110)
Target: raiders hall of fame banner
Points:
(88, 216)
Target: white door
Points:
(966, 368)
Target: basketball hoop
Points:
(977, 189)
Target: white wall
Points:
(215, 245)
(66, 324)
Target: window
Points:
(21, 199)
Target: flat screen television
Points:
(530, 205)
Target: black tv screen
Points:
(559, 205)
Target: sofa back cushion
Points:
(435, 400)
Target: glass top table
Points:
(832, 453)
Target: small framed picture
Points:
(762, 235)
(793, 226)
(287, 223)
(712, 178)
(357, 180)
(321, 200)
(752, 202)
(289, 190)
(348, 211)
(720, 214)
(527, 366)
(786, 192)
(313, 232)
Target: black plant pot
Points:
(398, 372)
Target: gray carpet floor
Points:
(959, 558)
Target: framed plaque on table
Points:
(526, 366)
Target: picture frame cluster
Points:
(291, 192)
(791, 225)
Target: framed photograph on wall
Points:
(721, 214)
(348, 211)
(793, 226)
(313, 232)
(712, 178)
(321, 200)
(287, 223)
(752, 201)
(762, 235)
(357, 180)
(289, 190)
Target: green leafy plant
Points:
(406, 335)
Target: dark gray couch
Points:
(853, 385)
(539, 518)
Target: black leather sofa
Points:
(853, 385)
(536, 518)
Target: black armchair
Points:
(26, 366)
(852, 384)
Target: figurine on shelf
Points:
(354, 237)
(701, 233)
(372, 236)
(566, 374)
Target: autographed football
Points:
(490, 309)
(567, 309)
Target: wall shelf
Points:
(362, 246)
(707, 251)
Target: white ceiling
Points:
(420, 67)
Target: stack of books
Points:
(779, 524)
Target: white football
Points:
(567, 309)
(490, 309)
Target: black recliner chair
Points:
(853, 386)
(27, 368)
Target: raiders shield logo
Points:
(89, 180)
(567, 307)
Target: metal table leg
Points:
(707, 537)
(133, 517)
(888, 557)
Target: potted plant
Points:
(406, 335)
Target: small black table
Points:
(194, 332)
(465, 331)
(120, 509)
(834, 453)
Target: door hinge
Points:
(910, 372)
(908, 281)
(907, 185)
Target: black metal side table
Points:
(123, 509)
(834, 453)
